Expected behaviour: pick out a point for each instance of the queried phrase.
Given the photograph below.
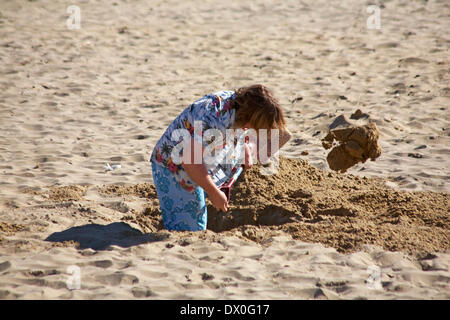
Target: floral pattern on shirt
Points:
(215, 112)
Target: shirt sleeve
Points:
(205, 114)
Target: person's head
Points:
(257, 108)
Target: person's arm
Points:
(199, 174)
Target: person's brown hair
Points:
(257, 106)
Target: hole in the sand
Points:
(271, 215)
(312, 205)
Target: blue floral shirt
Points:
(213, 111)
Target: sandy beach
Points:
(73, 100)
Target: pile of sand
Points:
(10, 228)
(310, 204)
(313, 205)
(356, 144)
(65, 193)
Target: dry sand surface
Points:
(72, 101)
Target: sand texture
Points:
(76, 103)
(356, 144)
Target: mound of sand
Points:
(65, 193)
(313, 205)
(356, 144)
(342, 211)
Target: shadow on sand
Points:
(100, 237)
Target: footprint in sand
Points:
(117, 278)
(412, 61)
(102, 264)
(142, 292)
(4, 266)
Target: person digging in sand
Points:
(181, 183)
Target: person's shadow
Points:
(100, 237)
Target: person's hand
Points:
(219, 200)
(248, 160)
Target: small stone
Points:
(206, 277)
